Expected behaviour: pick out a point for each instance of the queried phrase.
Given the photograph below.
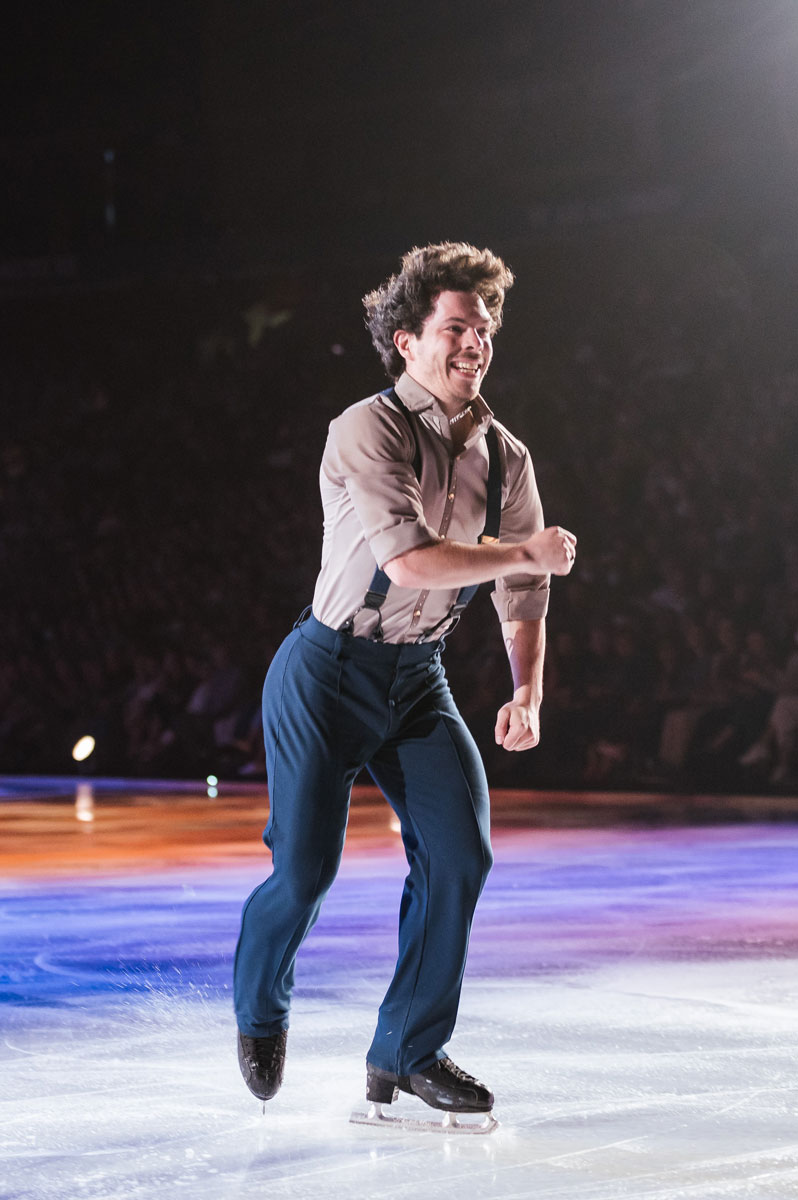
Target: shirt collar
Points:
(419, 400)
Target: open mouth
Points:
(466, 368)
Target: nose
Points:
(472, 339)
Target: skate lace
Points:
(266, 1051)
(458, 1072)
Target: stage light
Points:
(212, 781)
(83, 748)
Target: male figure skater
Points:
(425, 495)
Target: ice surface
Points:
(631, 998)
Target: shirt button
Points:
(451, 496)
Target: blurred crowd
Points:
(160, 528)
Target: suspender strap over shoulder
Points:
(380, 582)
(493, 508)
(493, 515)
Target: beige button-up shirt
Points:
(375, 509)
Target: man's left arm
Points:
(518, 721)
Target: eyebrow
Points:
(486, 321)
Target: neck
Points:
(450, 408)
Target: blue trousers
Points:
(333, 704)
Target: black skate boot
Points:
(262, 1060)
(441, 1085)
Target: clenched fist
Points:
(552, 551)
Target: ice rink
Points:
(631, 998)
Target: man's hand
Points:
(518, 726)
(551, 551)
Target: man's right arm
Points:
(448, 564)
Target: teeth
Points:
(472, 368)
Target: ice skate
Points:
(465, 1104)
(262, 1060)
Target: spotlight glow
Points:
(83, 748)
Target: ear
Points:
(402, 340)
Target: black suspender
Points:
(380, 583)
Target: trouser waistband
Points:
(344, 645)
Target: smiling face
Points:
(451, 355)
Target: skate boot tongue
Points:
(262, 1061)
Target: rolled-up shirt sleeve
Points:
(369, 459)
(522, 597)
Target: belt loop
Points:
(303, 616)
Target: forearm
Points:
(449, 564)
(525, 643)
(518, 721)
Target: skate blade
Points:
(469, 1123)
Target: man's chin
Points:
(463, 390)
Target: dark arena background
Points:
(196, 198)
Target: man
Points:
(406, 479)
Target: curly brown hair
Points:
(406, 300)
